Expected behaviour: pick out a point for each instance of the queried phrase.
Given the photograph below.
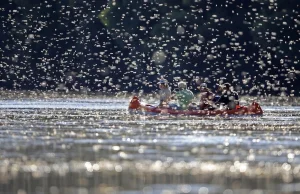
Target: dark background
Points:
(127, 45)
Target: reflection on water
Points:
(93, 146)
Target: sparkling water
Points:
(92, 145)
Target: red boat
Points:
(135, 106)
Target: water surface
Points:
(92, 145)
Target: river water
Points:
(92, 145)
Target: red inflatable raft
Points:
(135, 106)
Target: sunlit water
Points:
(92, 145)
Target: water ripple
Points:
(95, 146)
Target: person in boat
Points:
(218, 92)
(206, 97)
(229, 97)
(184, 96)
(164, 92)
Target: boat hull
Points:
(135, 106)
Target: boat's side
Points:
(136, 106)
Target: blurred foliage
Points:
(126, 45)
(103, 16)
(228, 39)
